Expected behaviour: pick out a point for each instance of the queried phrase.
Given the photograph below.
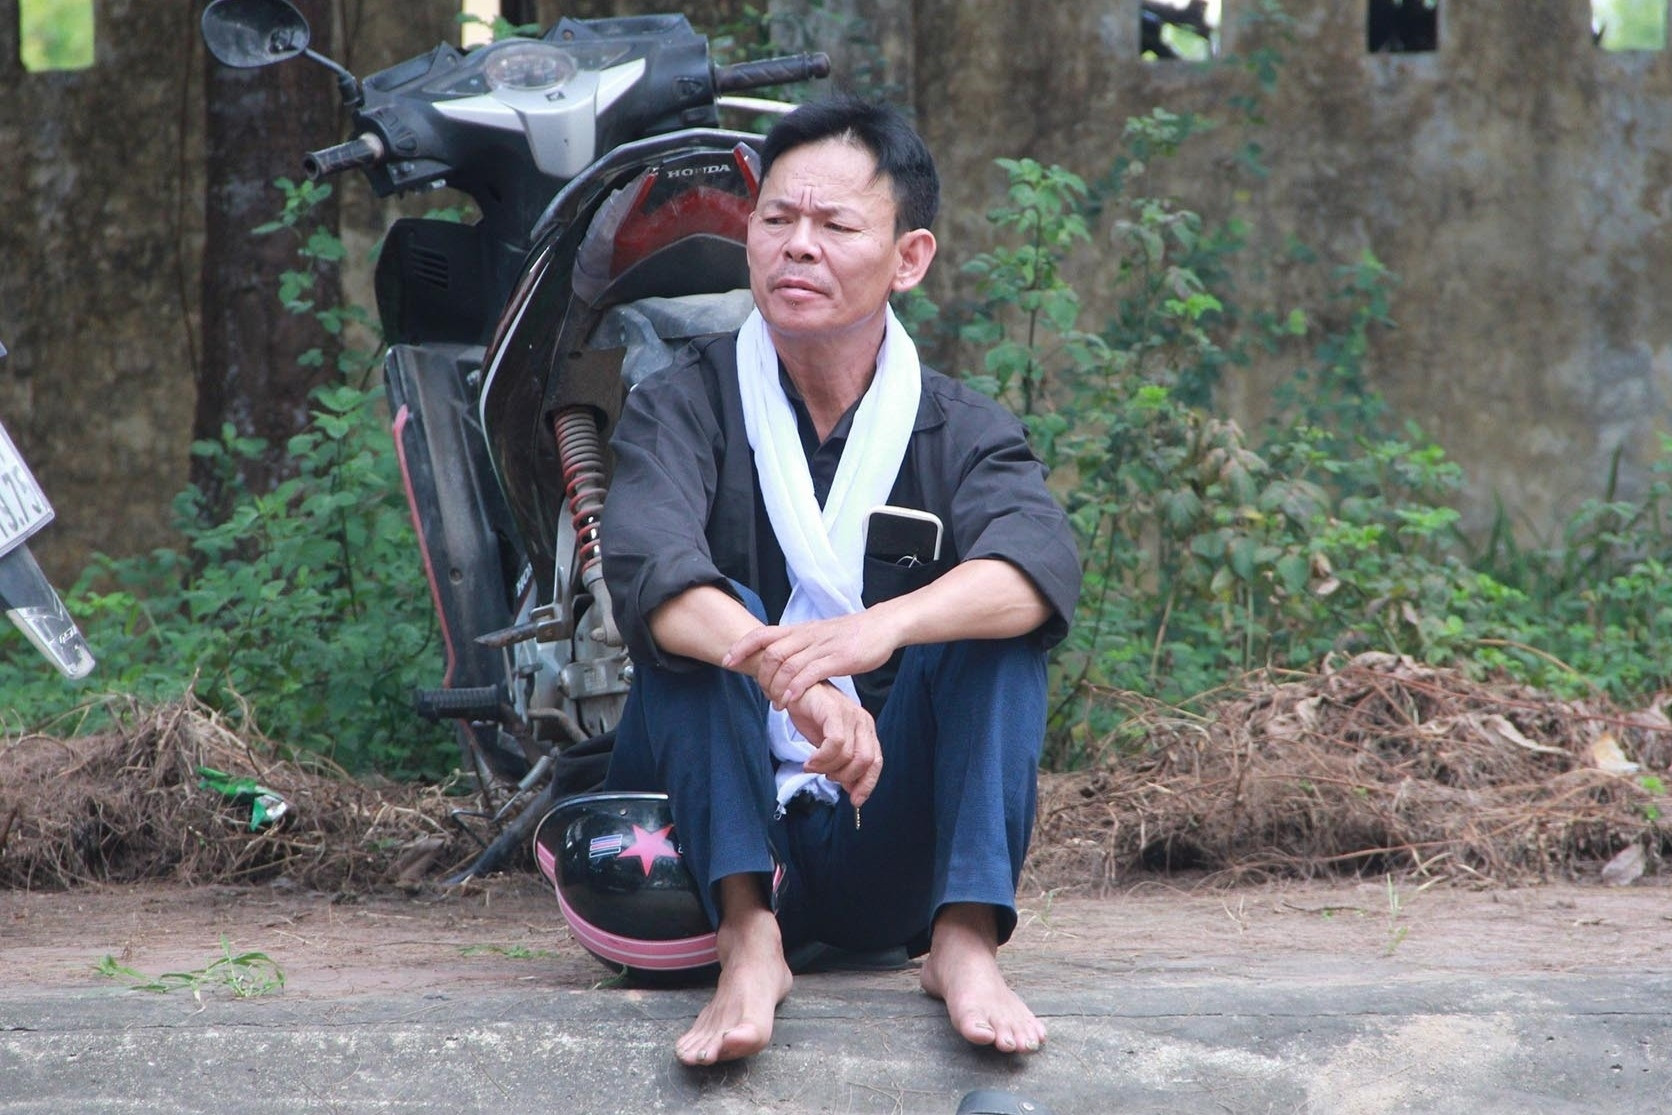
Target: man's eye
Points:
(833, 226)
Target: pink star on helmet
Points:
(648, 847)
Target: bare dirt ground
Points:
(507, 933)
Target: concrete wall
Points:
(1518, 180)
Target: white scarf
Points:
(824, 551)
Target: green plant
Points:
(1655, 785)
(1396, 931)
(498, 27)
(510, 952)
(55, 34)
(1204, 553)
(1397, 905)
(247, 975)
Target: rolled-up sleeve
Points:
(1002, 509)
(658, 506)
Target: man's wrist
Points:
(893, 620)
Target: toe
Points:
(977, 1030)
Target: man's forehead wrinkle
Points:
(807, 199)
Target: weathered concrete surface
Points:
(1518, 181)
(1331, 1037)
(1335, 998)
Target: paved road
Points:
(1364, 1022)
(1578, 1043)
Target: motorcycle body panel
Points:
(516, 119)
(469, 553)
(441, 282)
(31, 603)
(470, 556)
(662, 218)
(26, 596)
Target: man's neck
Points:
(831, 373)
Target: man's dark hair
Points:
(899, 151)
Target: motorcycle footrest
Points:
(480, 702)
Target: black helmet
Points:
(615, 863)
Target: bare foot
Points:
(962, 969)
(754, 979)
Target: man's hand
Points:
(791, 661)
(846, 737)
(983, 598)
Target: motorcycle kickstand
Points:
(511, 837)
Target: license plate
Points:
(23, 506)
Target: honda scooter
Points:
(613, 213)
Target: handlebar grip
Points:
(364, 151)
(770, 71)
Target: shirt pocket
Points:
(884, 580)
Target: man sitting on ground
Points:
(800, 654)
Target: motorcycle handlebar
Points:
(367, 150)
(770, 71)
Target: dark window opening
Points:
(1187, 29)
(1403, 26)
(55, 34)
(1629, 24)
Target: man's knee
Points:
(1011, 667)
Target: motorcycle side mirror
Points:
(248, 33)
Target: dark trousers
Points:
(948, 822)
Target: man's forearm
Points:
(986, 598)
(701, 623)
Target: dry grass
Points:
(1380, 764)
(126, 804)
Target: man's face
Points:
(823, 256)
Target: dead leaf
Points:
(415, 858)
(1606, 754)
(1625, 868)
(1500, 730)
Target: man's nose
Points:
(803, 241)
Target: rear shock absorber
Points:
(580, 451)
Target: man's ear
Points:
(917, 251)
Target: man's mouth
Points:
(791, 283)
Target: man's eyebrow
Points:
(823, 209)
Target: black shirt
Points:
(684, 507)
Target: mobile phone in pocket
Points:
(902, 535)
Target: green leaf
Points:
(1294, 571)
(1242, 555)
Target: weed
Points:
(1397, 930)
(1652, 784)
(1239, 916)
(510, 952)
(247, 975)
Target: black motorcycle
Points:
(26, 596)
(613, 213)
